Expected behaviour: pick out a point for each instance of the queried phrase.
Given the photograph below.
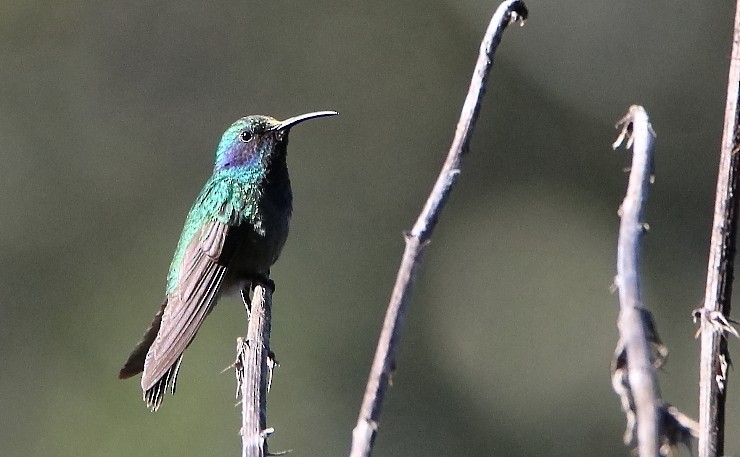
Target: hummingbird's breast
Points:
(264, 236)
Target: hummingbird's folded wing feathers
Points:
(135, 363)
(201, 274)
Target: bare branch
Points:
(620, 378)
(363, 435)
(633, 331)
(253, 366)
(720, 269)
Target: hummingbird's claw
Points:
(246, 300)
(263, 281)
(257, 279)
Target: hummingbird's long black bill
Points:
(288, 123)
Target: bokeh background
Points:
(109, 115)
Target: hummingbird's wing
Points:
(135, 363)
(201, 274)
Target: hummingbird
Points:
(233, 234)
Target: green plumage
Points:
(233, 234)
(230, 197)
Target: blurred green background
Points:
(109, 115)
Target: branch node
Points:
(614, 287)
(715, 320)
(626, 123)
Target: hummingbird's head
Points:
(252, 140)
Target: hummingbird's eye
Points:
(245, 136)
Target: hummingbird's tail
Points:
(135, 363)
(154, 395)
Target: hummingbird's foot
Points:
(264, 281)
(272, 363)
(257, 279)
(246, 300)
(273, 358)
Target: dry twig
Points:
(254, 363)
(634, 333)
(363, 435)
(714, 354)
(659, 427)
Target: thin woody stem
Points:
(253, 373)
(633, 330)
(714, 356)
(364, 433)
